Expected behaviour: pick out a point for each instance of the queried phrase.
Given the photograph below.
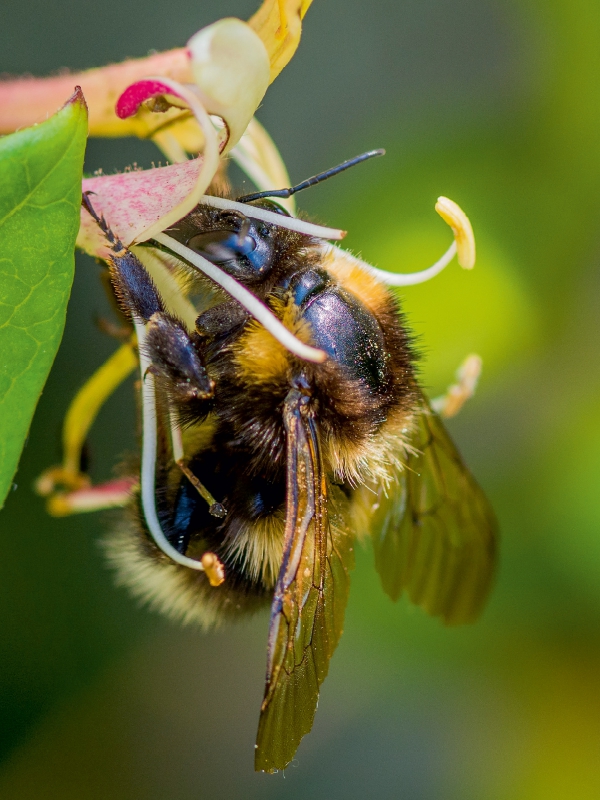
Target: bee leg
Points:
(215, 509)
(177, 364)
(175, 354)
(122, 328)
(80, 418)
(467, 376)
(133, 287)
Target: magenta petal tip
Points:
(136, 94)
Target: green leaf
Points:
(40, 197)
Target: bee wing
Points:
(435, 536)
(310, 598)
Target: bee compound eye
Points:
(223, 245)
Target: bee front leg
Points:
(177, 365)
(175, 355)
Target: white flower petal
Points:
(231, 70)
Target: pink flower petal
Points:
(136, 94)
(132, 201)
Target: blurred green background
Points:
(495, 104)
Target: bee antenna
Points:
(322, 176)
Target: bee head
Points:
(242, 246)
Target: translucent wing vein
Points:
(310, 597)
(435, 537)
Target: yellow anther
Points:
(215, 571)
(454, 216)
(59, 506)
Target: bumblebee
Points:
(260, 468)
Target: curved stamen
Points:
(128, 104)
(244, 297)
(149, 448)
(453, 215)
(396, 278)
(404, 278)
(463, 247)
(292, 223)
(456, 395)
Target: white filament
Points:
(210, 160)
(292, 223)
(176, 437)
(149, 447)
(245, 298)
(399, 278)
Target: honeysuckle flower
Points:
(201, 100)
